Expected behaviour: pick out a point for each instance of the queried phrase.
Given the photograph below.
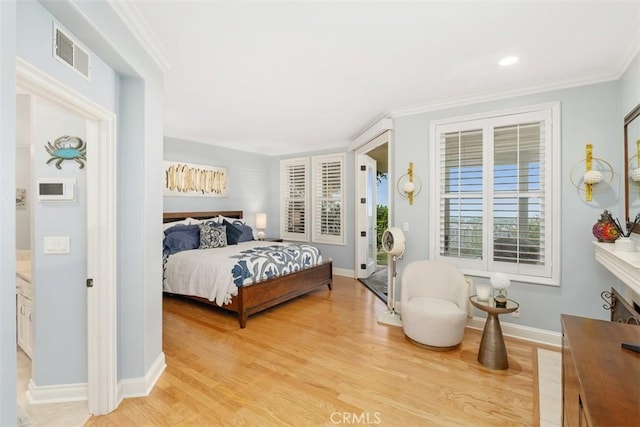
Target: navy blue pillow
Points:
(194, 228)
(233, 233)
(247, 232)
(178, 241)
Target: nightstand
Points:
(272, 239)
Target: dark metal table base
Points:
(493, 352)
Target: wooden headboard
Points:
(177, 216)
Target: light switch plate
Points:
(57, 245)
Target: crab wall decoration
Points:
(67, 148)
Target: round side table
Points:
(493, 352)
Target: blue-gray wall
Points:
(589, 114)
(249, 178)
(26, 31)
(7, 213)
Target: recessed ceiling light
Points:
(509, 60)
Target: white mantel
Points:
(624, 265)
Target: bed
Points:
(249, 298)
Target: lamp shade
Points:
(261, 220)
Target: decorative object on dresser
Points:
(632, 169)
(606, 229)
(600, 385)
(255, 297)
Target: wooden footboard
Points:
(254, 298)
(260, 296)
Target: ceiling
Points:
(289, 77)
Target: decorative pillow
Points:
(181, 241)
(247, 232)
(221, 219)
(194, 229)
(212, 235)
(167, 225)
(233, 232)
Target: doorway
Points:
(373, 214)
(99, 241)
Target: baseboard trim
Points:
(37, 395)
(141, 387)
(541, 336)
(344, 272)
(133, 387)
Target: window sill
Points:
(546, 281)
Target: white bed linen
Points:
(206, 273)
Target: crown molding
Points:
(495, 96)
(130, 15)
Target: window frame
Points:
(316, 164)
(285, 164)
(550, 114)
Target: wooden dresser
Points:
(600, 379)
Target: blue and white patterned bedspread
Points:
(262, 263)
(216, 274)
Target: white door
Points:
(367, 216)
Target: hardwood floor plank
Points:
(322, 359)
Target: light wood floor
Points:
(322, 359)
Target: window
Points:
(294, 199)
(493, 193)
(328, 199)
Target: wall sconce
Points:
(409, 184)
(261, 224)
(591, 176)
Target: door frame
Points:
(102, 375)
(380, 139)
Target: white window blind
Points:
(294, 199)
(328, 199)
(493, 190)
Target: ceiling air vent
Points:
(66, 50)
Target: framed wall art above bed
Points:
(194, 180)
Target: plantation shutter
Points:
(493, 190)
(461, 199)
(294, 199)
(328, 199)
(518, 195)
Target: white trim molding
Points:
(141, 387)
(37, 395)
(344, 272)
(130, 15)
(101, 387)
(541, 336)
(372, 132)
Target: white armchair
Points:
(433, 298)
